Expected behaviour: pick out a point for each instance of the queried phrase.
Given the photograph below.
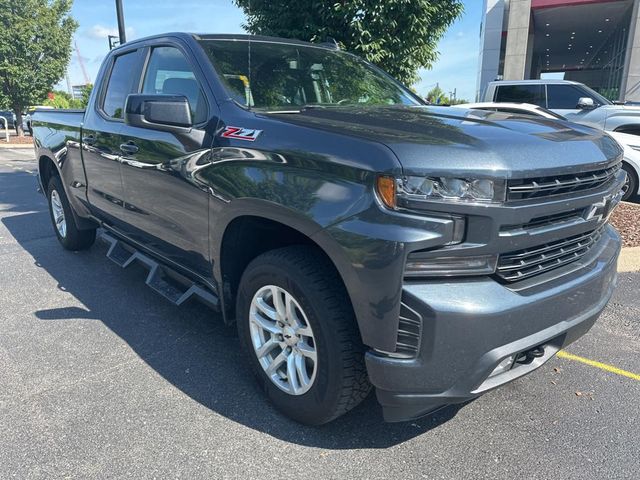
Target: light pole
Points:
(120, 14)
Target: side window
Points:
(120, 84)
(565, 96)
(169, 72)
(533, 94)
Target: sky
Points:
(455, 68)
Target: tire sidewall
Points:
(633, 183)
(317, 404)
(56, 184)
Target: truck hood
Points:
(433, 140)
(631, 113)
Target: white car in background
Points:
(630, 143)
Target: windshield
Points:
(279, 76)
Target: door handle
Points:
(129, 148)
(89, 140)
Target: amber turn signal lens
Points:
(386, 187)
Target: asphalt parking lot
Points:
(102, 378)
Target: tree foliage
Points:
(437, 96)
(400, 36)
(59, 99)
(86, 93)
(35, 48)
(62, 99)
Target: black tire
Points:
(341, 380)
(632, 183)
(74, 238)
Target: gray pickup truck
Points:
(356, 236)
(573, 100)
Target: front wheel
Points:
(630, 188)
(64, 225)
(298, 328)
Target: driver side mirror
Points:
(586, 103)
(169, 113)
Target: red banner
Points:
(564, 3)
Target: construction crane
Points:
(81, 62)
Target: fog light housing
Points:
(450, 266)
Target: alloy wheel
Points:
(283, 340)
(58, 214)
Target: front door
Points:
(563, 100)
(166, 208)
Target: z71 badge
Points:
(240, 133)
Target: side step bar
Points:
(159, 277)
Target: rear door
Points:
(100, 137)
(166, 208)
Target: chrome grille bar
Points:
(536, 260)
(546, 186)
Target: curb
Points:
(16, 145)
(629, 260)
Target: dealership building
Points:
(596, 42)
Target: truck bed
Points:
(58, 117)
(57, 126)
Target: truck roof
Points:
(545, 81)
(229, 36)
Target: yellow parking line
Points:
(602, 366)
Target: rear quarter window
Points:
(533, 94)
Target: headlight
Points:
(451, 189)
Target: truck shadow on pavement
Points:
(188, 346)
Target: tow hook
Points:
(529, 356)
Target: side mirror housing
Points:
(169, 113)
(586, 103)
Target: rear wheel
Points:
(630, 188)
(64, 225)
(298, 329)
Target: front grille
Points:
(409, 332)
(527, 188)
(536, 260)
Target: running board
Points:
(158, 278)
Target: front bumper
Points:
(470, 325)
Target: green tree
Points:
(400, 36)
(35, 48)
(86, 93)
(60, 100)
(437, 96)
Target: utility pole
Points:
(120, 14)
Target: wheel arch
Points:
(244, 236)
(46, 169)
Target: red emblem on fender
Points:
(240, 133)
